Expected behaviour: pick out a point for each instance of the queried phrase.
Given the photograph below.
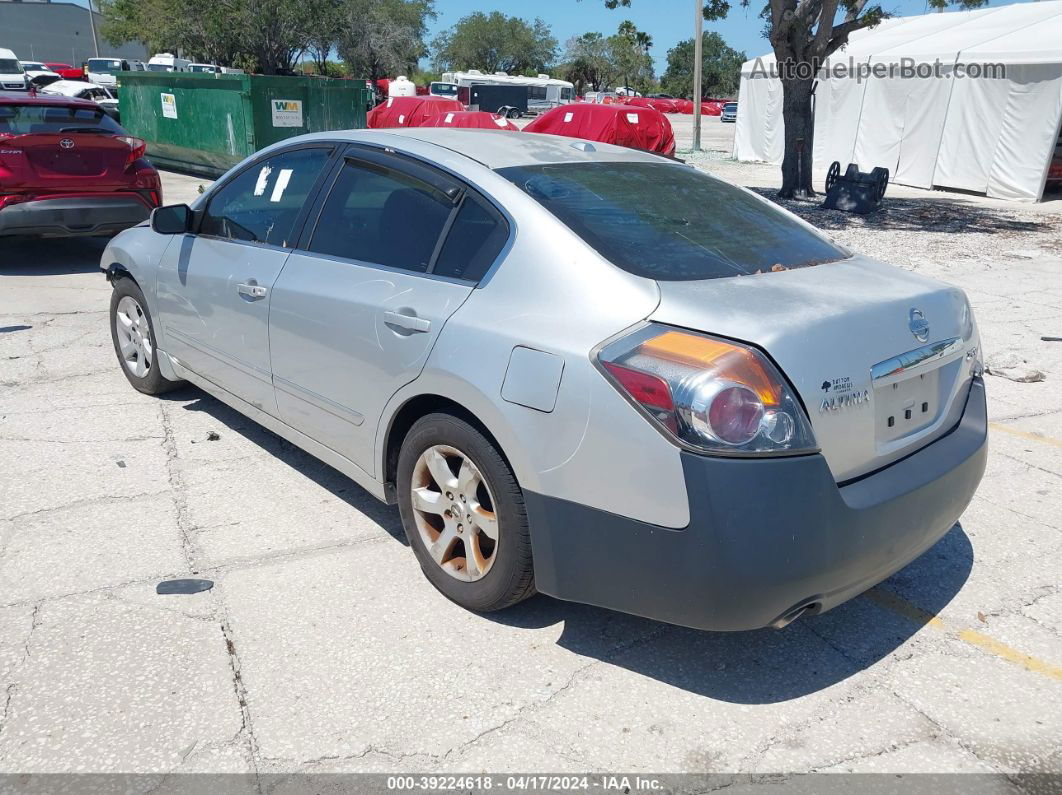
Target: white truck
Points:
(167, 62)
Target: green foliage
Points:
(495, 42)
(595, 62)
(721, 67)
(372, 36)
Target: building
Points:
(967, 100)
(38, 30)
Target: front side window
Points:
(9, 66)
(382, 216)
(671, 222)
(263, 202)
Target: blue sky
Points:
(667, 21)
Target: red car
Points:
(67, 168)
(66, 71)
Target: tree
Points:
(720, 65)
(803, 34)
(630, 53)
(379, 38)
(588, 62)
(495, 42)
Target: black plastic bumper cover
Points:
(73, 216)
(765, 535)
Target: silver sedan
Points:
(578, 369)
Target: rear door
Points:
(214, 285)
(396, 249)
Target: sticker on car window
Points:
(263, 180)
(632, 118)
(282, 184)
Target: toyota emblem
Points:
(919, 325)
(67, 143)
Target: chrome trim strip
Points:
(320, 401)
(915, 359)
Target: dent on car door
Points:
(213, 285)
(396, 249)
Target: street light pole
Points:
(698, 56)
(92, 24)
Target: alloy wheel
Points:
(134, 336)
(454, 512)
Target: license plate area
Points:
(906, 407)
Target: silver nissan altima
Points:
(578, 369)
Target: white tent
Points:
(969, 100)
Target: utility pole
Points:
(92, 24)
(698, 59)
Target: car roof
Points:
(67, 85)
(499, 148)
(55, 101)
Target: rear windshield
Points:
(444, 89)
(198, 67)
(159, 67)
(730, 106)
(671, 222)
(104, 65)
(24, 119)
(9, 66)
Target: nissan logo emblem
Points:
(67, 143)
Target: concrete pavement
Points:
(322, 648)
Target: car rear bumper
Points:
(766, 538)
(63, 217)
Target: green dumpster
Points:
(205, 123)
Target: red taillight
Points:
(137, 147)
(649, 390)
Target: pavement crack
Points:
(240, 690)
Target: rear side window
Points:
(379, 215)
(26, 119)
(670, 222)
(262, 203)
(474, 241)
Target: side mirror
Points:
(176, 219)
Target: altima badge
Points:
(918, 324)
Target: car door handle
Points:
(255, 292)
(407, 322)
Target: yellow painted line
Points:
(901, 607)
(1033, 437)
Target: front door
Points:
(354, 317)
(214, 284)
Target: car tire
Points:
(481, 582)
(133, 335)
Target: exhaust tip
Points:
(807, 608)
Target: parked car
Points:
(67, 168)
(701, 411)
(12, 75)
(106, 71)
(624, 125)
(81, 89)
(34, 69)
(729, 113)
(66, 71)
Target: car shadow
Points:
(52, 256)
(342, 487)
(757, 667)
(764, 666)
(937, 214)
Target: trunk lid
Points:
(877, 355)
(74, 161)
